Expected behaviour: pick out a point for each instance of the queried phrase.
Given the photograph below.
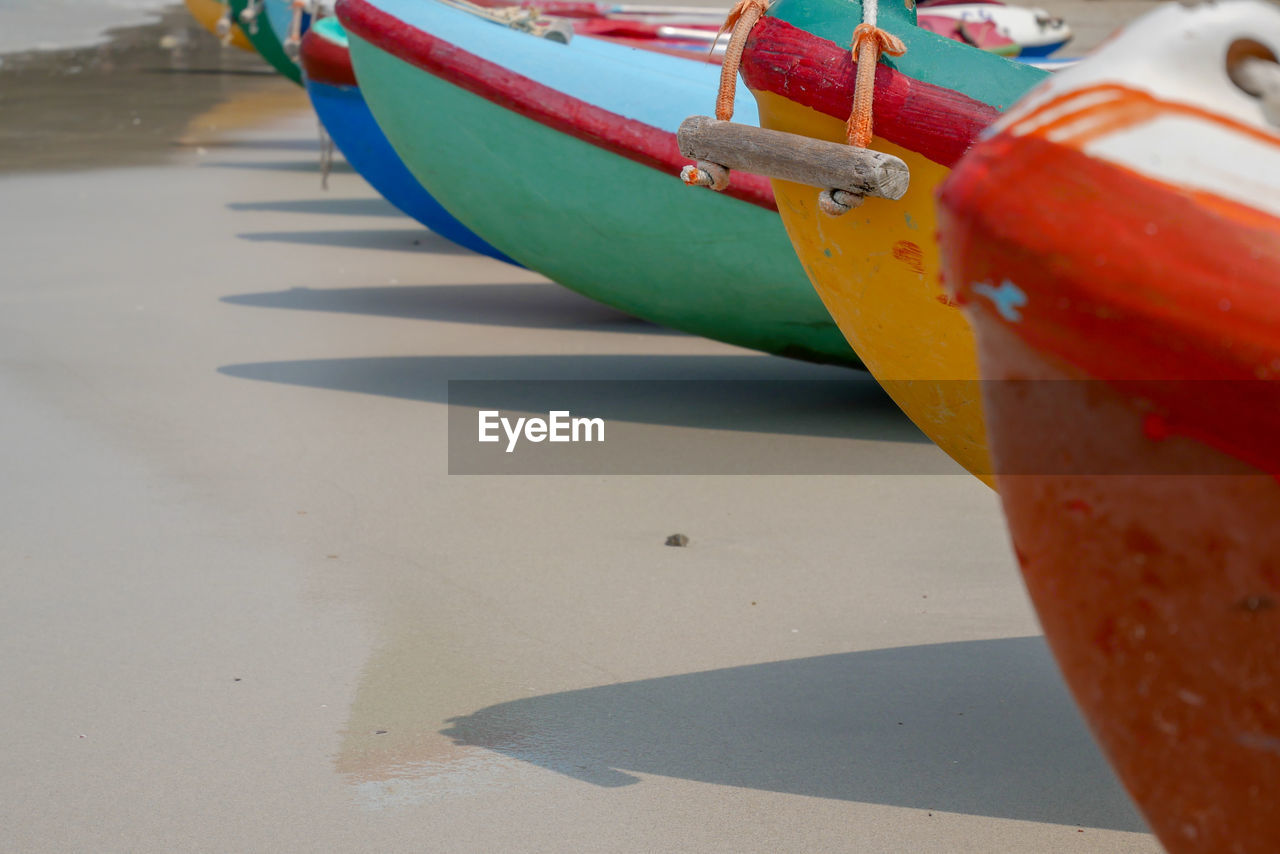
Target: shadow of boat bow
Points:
(977, 727)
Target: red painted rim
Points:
(326, 62)
(938, 123)
(634, 140)
(1176, 270)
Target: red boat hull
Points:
(1128, 330)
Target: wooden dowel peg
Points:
(846, 171)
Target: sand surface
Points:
(246, 608)
(131, 100)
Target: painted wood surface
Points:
(564, 157)
(1034, 31)
(325, 54)
(208, 12)
(346, 117)
(506, 65)
(268, 43)
(877, 268)
(1128, 323)
(280, 15)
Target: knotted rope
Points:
(526, 19)
(741, 18)
(869, 41)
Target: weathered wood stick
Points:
(790, 157)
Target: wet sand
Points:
(246, 607)
(131, 100)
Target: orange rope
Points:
(742, 17)
(295, 24)
(869, 41)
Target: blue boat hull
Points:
(346, 118)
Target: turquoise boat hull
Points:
(563, 157)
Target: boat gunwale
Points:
(635, 140)
(324, 60)
(938, 123)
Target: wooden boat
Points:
(1128, 325)
(213, 16)
(980, 34)
(876, 267)
(1034, 31)
(276, 27)
(331, 85)
(266, 23)
(564, 157)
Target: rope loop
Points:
(869, 41)
(838, 202)
(293, 40)
(741, 18)
(886, 41)
(706, 174)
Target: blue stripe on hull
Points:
(347, 119)
(1042, 49)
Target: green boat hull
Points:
(610, 228)
(268, 45)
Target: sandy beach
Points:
(248, 608)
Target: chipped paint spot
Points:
(1007, 298)
(826, 252)
(910, 254)
(1258, 741)
(1191, 698)
(911, 223)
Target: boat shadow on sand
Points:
(978, 727)
(341, 206)
(751, 394)
(416, 239)
(528, 305)
(310, 165)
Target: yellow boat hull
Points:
(877, 271)
(208, 13)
